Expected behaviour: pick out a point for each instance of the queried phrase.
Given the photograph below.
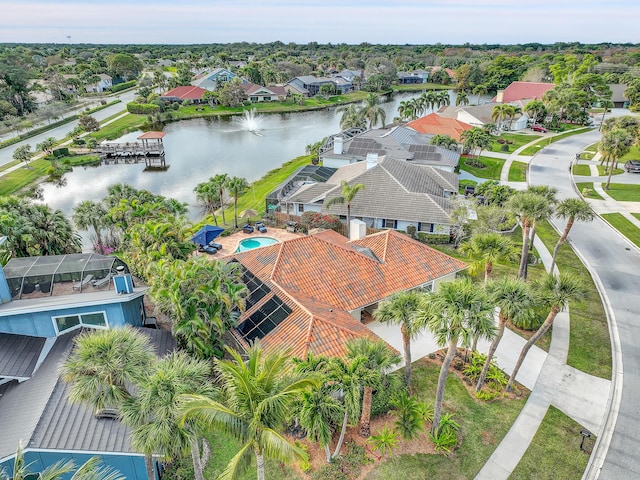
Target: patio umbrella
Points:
(248, 213)
(206, 234)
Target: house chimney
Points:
(372, 160)
(337, 145)
(499, 96)
(357, 229)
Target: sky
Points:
(323, 21)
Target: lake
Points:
(200, 148)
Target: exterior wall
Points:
(40, 324)
(311, 207)
(520, 123)
(446, 278)
(335, 162)
(468, 118)
(130, 466)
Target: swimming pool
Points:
(255, 242)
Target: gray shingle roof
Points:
(19, 354)
(398, 190)
(309, 193)
(38, 411)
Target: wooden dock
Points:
(149, 148)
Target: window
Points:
(387, 223)
(426, 287)
(69, 322)
(300, 207)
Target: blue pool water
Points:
(255, 242)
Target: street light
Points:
(585, 434)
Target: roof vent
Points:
(110, 413)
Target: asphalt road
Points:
(617, 266)
(6, 154)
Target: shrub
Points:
(445, 438)
(433, 238)
(475, 163)
(319, 220)
(501, 141)
(61, 152)
(123, 86)
(409, 421)
(504, 148)
(142, 108)
(392, 386)
(384, 441)
(411, 231)
(175, 106)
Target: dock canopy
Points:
(206, 234)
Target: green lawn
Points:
(632, 154)
(624, 192)
(491, 171)
(589, 344)
(126, 124)
(533, 149)
(637, 215)
(255, 196)
(588, 185)
(482, 427)
(518, 139)
(602, 171)
(417, 87)
(555, 452)
(624, 226)
(518, 172)
(582, 170)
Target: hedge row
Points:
(123, 86)
(142, 108)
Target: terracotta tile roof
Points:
(434, 124)
(525, 90)
(186, 92)
(323, 277)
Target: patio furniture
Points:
(207, 249)
(292, 226)
(101, 282)
(247, 229)
(215, 245)
(85, 281)
(261, 228)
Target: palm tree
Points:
(153, 413)
(219, 183)
(380, 359)
(462, 98)
(91, 214)
(615, 144)
(92, 469)
(347, 378)
(556, 292)
(498, 113)
(536, 110)
(514, 299)
(257, 395)
(318, 411)
(528, 207)
(457, 312)
(347, 195)
(401, 309)
(352, 117)
(208, 197)
(372, 111)
(571, 209)
(47, 145)
(487, 249)
(104, 368)
(236, 187)
(479, 90)
(52, 232)
(550, 194)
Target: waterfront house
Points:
(434, 124)
(187, 92)
(214, 79)
(314, 293)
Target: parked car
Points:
(539, 128)
(632, 166)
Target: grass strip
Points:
(625, 226)
(588, 187)
(555, 451)
(623, 192)
(602, 170)
(589, 343)
(518, 172)
(545, 142)
(581, 170)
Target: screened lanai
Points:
(31, 277)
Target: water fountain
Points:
(249, 121)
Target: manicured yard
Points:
(491, 170)
(602, 170)
(624, 226)
(416, 87)
(483, 425)
(588, 185)
(624, 192)
(518, 172)
(582, 170)
(589, 345)
(518, 139)
(126, 124)
(637, 215)
(632, 154)
(555, 452)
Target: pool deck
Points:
(230, 243)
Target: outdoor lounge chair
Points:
(261, 228)
(247, 229)
(101, 282)
(215, 245)
(85, 281)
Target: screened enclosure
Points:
(61, 274)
